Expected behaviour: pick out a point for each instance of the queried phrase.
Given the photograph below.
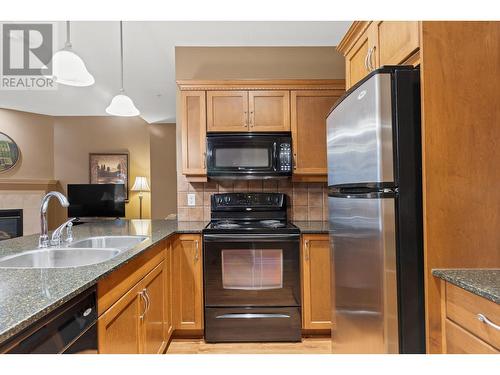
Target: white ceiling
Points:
(149, 61)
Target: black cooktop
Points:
(249, 212)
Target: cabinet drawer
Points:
(459, 341)
(463, 307)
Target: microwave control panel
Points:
(285, 157)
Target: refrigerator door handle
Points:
(365, 193)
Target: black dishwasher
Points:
(71, 329)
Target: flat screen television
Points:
(96, 200)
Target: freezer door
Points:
(359, 135)
(364, 266)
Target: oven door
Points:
(236, 156)
(251, 270)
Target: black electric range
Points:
(251, 270)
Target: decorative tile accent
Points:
(306, 201)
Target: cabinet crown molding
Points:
(267, 84)
(357, 28)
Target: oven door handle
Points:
(252, 316)
(250, 237)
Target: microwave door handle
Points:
(276, 157)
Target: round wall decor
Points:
(9, 153)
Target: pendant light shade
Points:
(68, 68)
(121, 104)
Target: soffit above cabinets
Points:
(149, 53)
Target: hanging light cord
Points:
(121, 54)
(68, 43)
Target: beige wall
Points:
(307, 201)
(34, 136)
(58, 148)
(258, 63)
(76, 137)
(163, 181)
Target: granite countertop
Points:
(26, 295)
(483, 282)
(312, 226)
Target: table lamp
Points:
(141, 185)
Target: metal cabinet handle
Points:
(294, 157)
(485, 320)
(205, 160)
(245, 123)
(148, 299)
(370, 60)
(197, 246)
(306, 248)
(143, 297)
(366, 60)
(252, 119)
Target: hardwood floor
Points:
(198, 346)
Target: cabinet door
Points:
(356, 61)
(309, 112)
(188, 296)
(316, 280)
(193, 117)
(269, 110)
(153, 285)
(168, 322)
(397, 40)
(227, 111)
(119, 328)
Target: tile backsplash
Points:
(306, 201)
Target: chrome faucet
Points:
(44, 233)
(57, 234)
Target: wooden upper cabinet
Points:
(153, 286)
(309, 110)
(227, 111)
(188, 283)
(316, 282)
(269, 110)
(356, 61)
(370, 45)
(193, 128)
(397, 41)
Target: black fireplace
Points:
(11, 224)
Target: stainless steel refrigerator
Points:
(375, 215)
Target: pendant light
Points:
(68, 68)
(121, 104)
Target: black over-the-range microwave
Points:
(249, 155)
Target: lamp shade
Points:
(122, 105)
(141, 184)
(69, 69)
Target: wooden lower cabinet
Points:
(153, 286)
(134, 324)
(119, 328)
(188, 282)
(462, 330)
(168, 323)
(316, 282)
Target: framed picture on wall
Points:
(9, 153)
(109, 168)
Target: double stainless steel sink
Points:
(80, 253)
